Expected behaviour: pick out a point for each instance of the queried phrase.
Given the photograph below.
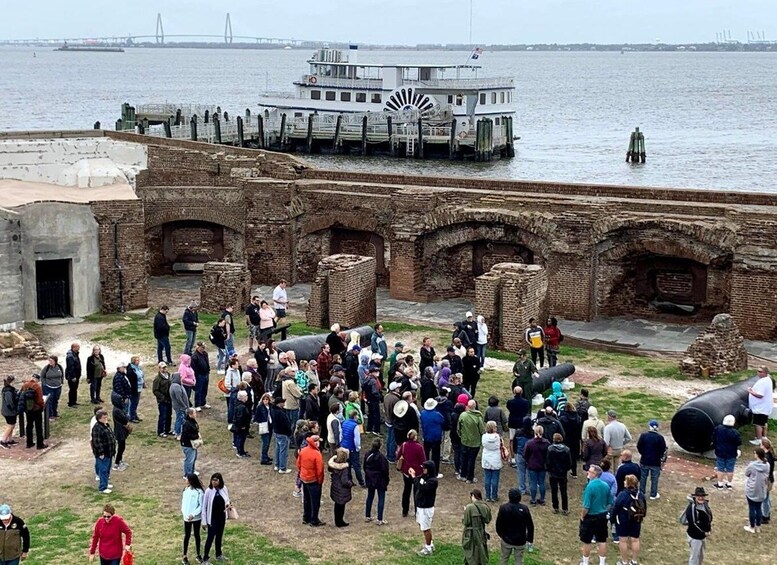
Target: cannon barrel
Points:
(695, 421)
(309, 346)
(550, 375)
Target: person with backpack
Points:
(9, 409)
(698, 519)
(52, 377)
(627, 514)
(218, 337)
(31, 405)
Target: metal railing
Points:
(352, 83)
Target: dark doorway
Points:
(53, 284)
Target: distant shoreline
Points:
(734, 47)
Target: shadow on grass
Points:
(405, 552)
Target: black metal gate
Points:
(53, 299)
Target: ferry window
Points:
(315, 95)
(509, 97)
(345, 96)
(502, 97)
(450, 99)
(331, 95)
(425, 74)
(459, 100)
(493, 98)
(482, 98)
(376, 98)
(361, 96)
(297, 114)
(497, 121)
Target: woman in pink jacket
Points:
(188, 380)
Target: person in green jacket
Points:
(474, 539)
(524, 372)
(471, 429)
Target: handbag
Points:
(128, 559)
(264, 428)
(503, 450)
(128, 428)
(197, 443)
(400, 458)
(232, 513)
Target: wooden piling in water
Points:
(119, 124)
(309, 136)
(97, 125)
(489, 139)
(168, 129)
(206, 117)
(240, 132)
(193, 126)
(510, 138)
(260, 132)
(336, 140)
(390, 131)
(217, 128)
(479, 140)
(452, 141)
(420, 148)
(178, 117)
(636, 151)
(364, 135)
(282, 133)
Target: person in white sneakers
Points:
(761, 402)
(756, 481)
(425, 497)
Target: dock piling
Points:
(636, 151)
(282, 133)
(420, 148)
(168, 129)
(193, 126)
(240, 133)
(217, 128)
(452, 142)
(309, 136)
(336, 141)
(206, 117)
(390, 131)
(260, 133)
(97, 125)
(364, 135)
(178, 117)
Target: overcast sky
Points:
(399, 21)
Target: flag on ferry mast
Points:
(476, 53)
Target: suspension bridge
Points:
(160, 39)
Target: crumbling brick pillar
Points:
(753, 296)
(224, 283)
(507, 296)
(343, 292)
(406, 270)
(719, 348)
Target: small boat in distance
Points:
(95, 48)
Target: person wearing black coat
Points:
(471, 370)
(312, 404)
(121, 384)
(340, 485)
(427, 355)
(162, 335)
(121, 428)
(454, 360)
(376, 477)
(73, 374)
(428, 390)
(189, 432)
(351, 364)
(514, 526)
(573, 426)
(241, 423)
(262, 357)
(550, 424)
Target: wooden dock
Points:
(398, 134)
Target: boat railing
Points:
(350, 83)
(462, 83)
(170, 109)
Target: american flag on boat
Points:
(476, 53)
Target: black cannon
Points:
(695, 421)
(309, 346)
(550, 375)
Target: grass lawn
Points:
(63, 506)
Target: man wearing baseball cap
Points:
(652, 450)
(14, 537)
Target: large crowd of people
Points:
(350, 414)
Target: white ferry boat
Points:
(337, 84)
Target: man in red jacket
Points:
(311, 472)
(108, 531)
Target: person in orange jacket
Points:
(311, 472)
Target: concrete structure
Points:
(343, 292)
(66, 228)
(720, 349)
(507, 297)
(668, 255)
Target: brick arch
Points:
(217, 215)
(638, 262)
(313, 223)
(720, 237)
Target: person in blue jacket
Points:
(726, 441)
(432, 423)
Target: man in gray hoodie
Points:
(180, 403)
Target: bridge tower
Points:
(160, 31)
(228, 29)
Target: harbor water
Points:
(710, 119)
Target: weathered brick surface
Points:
(607, 250)
(507, 297)
(225, 283)
(719, 348)
(343, 292)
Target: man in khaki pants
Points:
(616, 436)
